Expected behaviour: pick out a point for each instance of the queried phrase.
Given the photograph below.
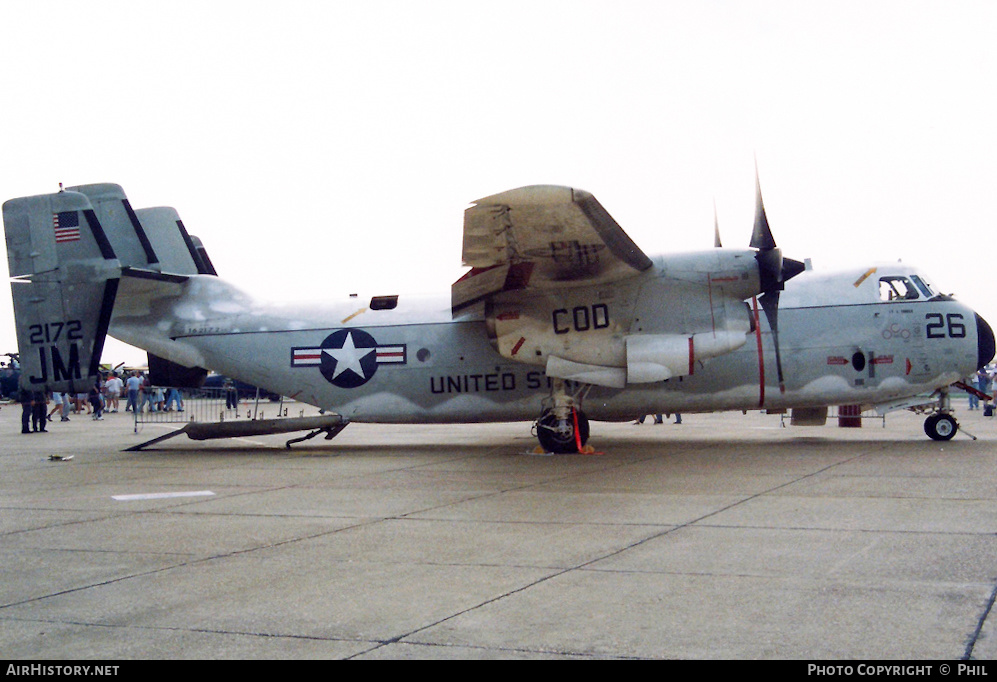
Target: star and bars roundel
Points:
(348, 358)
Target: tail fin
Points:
(152, 239)
(66, 277)
(67, 253)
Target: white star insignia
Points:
(349, 357)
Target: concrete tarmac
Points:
(726, 537)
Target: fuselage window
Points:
(383, 302)
(896, 289)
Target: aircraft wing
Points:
(542, 237)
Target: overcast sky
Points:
(321, 147)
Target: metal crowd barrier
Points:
(203, 405)
(212, 413)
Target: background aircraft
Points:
(561, 318)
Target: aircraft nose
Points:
(984, 342)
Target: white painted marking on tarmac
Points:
(161, 496)
(249, 440)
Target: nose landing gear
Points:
(940, 426)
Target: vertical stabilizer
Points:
(169, 239)
(124, 231)
(66, 277)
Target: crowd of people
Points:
(104, 396)
(983, 381)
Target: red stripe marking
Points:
(709, 287)
(761, 356)
(519, 344)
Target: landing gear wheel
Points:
(940, 426)
(558, 435)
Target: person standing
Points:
(113, 386)
(146, 395)
(57, 404)
(65, 407)
(133, 385)
(27, 404)
(96, 401)
(38, 414)
(174, 397)
(231, 395)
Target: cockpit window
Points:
(922, 286)
(896, 289)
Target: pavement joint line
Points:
(980, 590)
(616, 552)
(974, 638)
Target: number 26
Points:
(951, 326)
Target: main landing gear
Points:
(562, 434)
(563, 428)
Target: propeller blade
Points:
(761, 235)
(773, 272)
(716, 228)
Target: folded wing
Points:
(542, 237)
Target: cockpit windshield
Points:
(922, 286)
(898, 288)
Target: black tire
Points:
(558, 435)
(940, 426)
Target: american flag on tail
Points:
(67, 226)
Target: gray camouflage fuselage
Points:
(840, 344)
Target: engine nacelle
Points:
(647, 330)
(657, 357)
(532, 331)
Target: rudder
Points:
(65, 279)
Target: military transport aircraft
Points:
(561, 318)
